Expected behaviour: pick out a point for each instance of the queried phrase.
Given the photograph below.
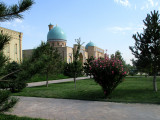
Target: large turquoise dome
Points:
(90, 44)
(56, 34)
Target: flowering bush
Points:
(108, 73)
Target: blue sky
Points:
(110, 24)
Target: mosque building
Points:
(57, 38)
(13, 49)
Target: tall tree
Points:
(49, 58)
(147, 45)
(76, 57)
(9, 13)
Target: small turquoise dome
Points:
(90, 44)
(56, 34)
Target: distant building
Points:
(13, 49)
(57, 38)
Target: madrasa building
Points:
(13, 49)
(57, 38)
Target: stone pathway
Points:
(64, 109)
(34, 84)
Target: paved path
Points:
(54, 81)
(64, 109)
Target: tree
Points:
(48, 57)
(9, 13)
(147, 45)
(76, 57)
(14, 11)
(69, 69)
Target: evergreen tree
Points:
(14, 11)
(48, 57)
(9, 13)
(147, 45)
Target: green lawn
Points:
(38, 78)
(133, 89)
(13, 117)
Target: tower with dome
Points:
(57, 38)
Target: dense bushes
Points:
(108, 73)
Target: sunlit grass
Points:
(134, 89)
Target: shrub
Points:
(108, 73)
(6, 102)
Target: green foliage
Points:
(87, 65)
(9, 13)
(132, 70)
(14, 117)
(49, 58)
(75, 60)
(132, 89)
(45, 60)
(147, 46)
(3, 40)
(14, 11)
(10, 81)
(108, 73)
(3, 60)
(69, 69)
(6, 102)
(118, 55)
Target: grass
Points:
(13, 117)
(38, 78)
(132, 90)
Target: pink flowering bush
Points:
(108, 73)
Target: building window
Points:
(15, 49)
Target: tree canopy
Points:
(147, 45)
(14, 11)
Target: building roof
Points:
(56, 34)
(90, 44)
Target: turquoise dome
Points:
(90, 44)
(56, 34)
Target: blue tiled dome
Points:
(90, 44)
(56, 33)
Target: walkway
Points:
(34, 84)
(64, 109)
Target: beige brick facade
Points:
(13, 50)
(67, 52)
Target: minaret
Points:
(50, 26)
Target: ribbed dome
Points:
(90, 44)
(56, 34)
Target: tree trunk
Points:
(154, 83)
(47, 79)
